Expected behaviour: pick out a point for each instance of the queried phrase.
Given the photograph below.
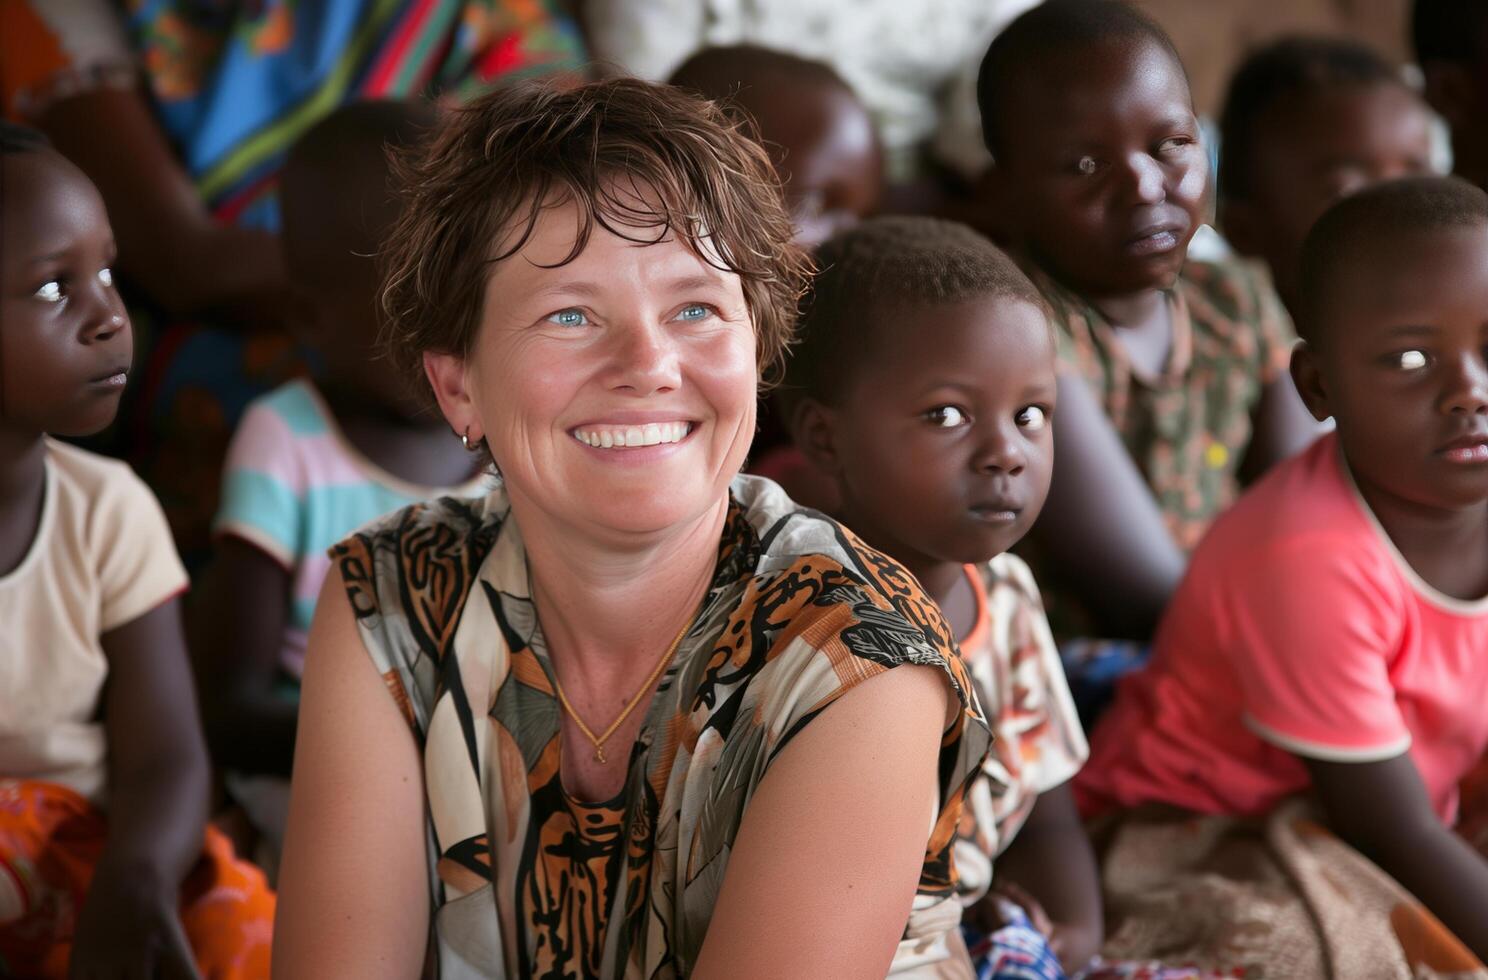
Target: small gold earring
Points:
(470, 447)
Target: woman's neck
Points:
(611, 606)
(1133, 310)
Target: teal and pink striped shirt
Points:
(294, 486)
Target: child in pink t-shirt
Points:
(1332, 631)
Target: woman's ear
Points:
(813, 426)
(1309, 381)
(446, 374)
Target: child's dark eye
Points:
(1409, 360)
(106, 276)
(1032, 417)
(52, 291)
(1087, 165)
(1174, 144)
(946, 417)
(568, 318)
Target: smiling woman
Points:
(632, 713)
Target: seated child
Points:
(103, 774)
(1330, 638)
(1307, 121)
(1451, 42)
(825, 149)
(1172, 373)
(924, 386)
(312, 461)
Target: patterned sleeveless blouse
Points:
(526, 880)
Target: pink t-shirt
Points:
(1299, 630)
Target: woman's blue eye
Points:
(1032, 417)
(693, 311)
(50, 292)
(1411, 360)
(568, 318)
(946, 416)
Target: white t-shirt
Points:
(102, 557)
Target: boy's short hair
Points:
(505, 156)
(15, 138)
(872, 272)
(1049, 28)
(1280, 72)
(1389, 210)
(1449, 30)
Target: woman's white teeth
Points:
(630, 436)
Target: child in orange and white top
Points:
(924, 384)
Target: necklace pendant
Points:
(599, 755)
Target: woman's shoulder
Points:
(809, 571)
(424, 556)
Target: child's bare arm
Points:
(1101, 525)
(1052, 861)
(1282, 427)
(157, 802)
(1382, 809)
(237, 631)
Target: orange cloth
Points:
(50, 842)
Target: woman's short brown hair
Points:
(474, 192)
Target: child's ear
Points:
(1309, 381)
(813, 426)
(989, 212)
(447, 376)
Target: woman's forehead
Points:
(556, 249)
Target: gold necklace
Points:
(599, 740)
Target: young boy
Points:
(1330, 634)
(1171, 374)
(311, 462)
(1451, 41)
(924, 387)
(1307, 121)
(105, 867)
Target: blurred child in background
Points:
(313, 461)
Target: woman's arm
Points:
(157, 810)
(1052, 861)
(353, 887)
(828, 858)
(1101, 526)
(170, 246)
(1382, 809)
(237, 630)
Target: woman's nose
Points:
(645, 359)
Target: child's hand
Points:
(988, 919)
(129, 929)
